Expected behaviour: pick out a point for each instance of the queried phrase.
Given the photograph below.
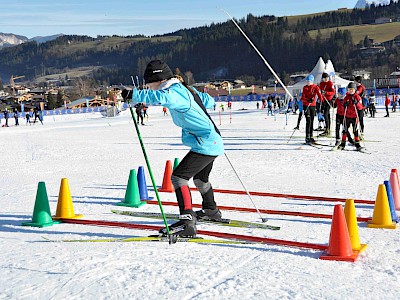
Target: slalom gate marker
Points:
(65, 208)
(291, 196)
(394, 182)
(167, 186)
(382, 217)
(352, 226)
(141, 178)
(391, 201)
(254, 239)
(41, 213)
(132, 196)
(339, 240)
(266, 211)
(176, 162)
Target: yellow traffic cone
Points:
(352, 226)
(382, 218)
(65, 208)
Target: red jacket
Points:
(327, 89)
(360, 90)
(387, 101)
(339, 105)
(351, 111)
(310, 92)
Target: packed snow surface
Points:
(96, 155)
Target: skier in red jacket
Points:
(328, 91)
(387, 103)
(351, 103)
(309, 98)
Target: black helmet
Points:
(358, 78)
(325, 75)
(351, 85)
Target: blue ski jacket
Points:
(198, 131)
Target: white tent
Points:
(319, 68)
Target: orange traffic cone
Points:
(167, 183)
(382, 217)
(339, 241)
(394, 183)
(352, 226)
(65, 208)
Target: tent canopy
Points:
(319, 68)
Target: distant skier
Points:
(16, 117)
(351, 103)
(387, 103)
(338, 104)
(27, 117)
(309, 97)
(139, 112)
(372, 104)
(6, 117)
(37, 115)
(269, 106)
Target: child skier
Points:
(188, 111)
(351, 103)
(328, 92)
(309, 97)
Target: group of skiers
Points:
(320, 99)
(37, 114)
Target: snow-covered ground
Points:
(96, 154)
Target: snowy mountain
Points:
(10, 39)
(367, 3)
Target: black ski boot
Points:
(185, 227)
(358, 146)
(209, 214)
(342, 145)
(337, 142)
(308, 141)
(296, 128)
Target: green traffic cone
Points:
(41, 212)
(176, 163)
(132, 195)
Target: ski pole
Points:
(247, 192)
(304, 112)
(358, 123)
(150, 172)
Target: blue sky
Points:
(128, 17)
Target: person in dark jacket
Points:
(6, 117)
(139, 112)
(16, 117)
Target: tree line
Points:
(210, 52)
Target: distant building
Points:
(383, 20)
(363, 73)
(368, 51)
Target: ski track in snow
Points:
(96, 155)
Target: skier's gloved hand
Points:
(126, 94)
(354, 101)
(310, 100)
(345, 104)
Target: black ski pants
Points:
(309, 113)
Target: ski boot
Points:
(296, 128)
(207, 214)
(342, 145)
(325, 133)
(308, 140)
(358, 146)
(185, 227)
(337, 142)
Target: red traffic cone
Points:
(394, 183)
(339, 241)
(167, 183)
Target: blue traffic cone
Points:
(391, 201)
(141, 178)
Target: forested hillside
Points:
(209, 52)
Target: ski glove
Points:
(354, 101)
(310, 100)
(345, 104)
(126, 94)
